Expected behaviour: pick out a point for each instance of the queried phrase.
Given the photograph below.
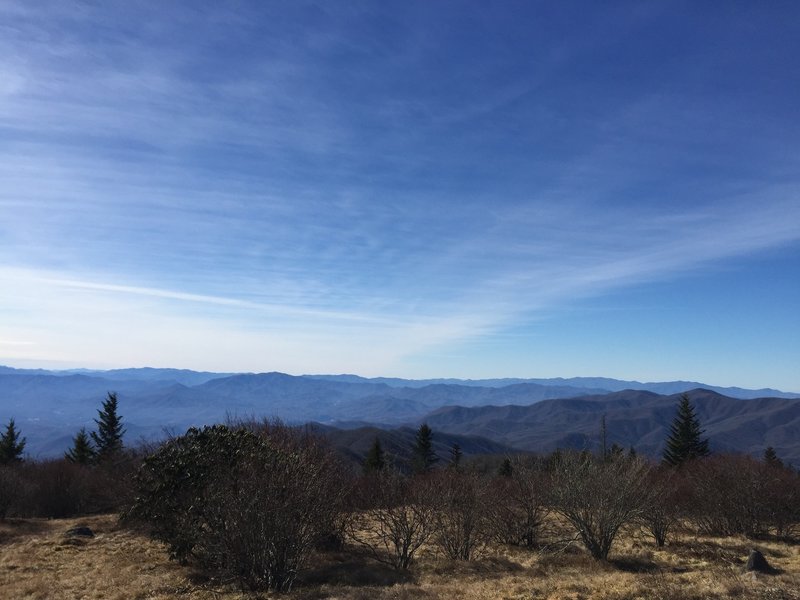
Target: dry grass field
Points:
(37, 561)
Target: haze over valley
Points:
(485, 416)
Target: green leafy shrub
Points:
(246, 506)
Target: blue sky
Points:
(417, 189)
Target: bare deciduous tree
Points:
(783, 499)
(395, 519)
(462, 516)
(11, 489)
(662, 510)
(737, 494)
(598, 497)
(518, 504)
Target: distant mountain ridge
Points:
(634, 418)
(597, 383)
(50, 406)
(183, 376)
(191, 378)
(397, 443)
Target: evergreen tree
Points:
(11, 446)
(603, 438)
(375, 460)
(506, 468)
(422, 456)
(684, 442)
(455, 456)
(771, 457)
(615, 452)
(108, 437)
(82, 451)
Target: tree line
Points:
(98, 446)
(93, 475)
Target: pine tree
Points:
(771, 457)
(603, 438)
(422, 456)
(455, 456)
(108, 437)
(616, 451)
(82, 452)
(684, 442)
(11, 446)
(375, 461)
(506, 468)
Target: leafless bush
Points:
(726, 493)
(599, 496)
(462, 515)
(662, 511)
(264, 517)
(737, 494)
(59, 488)
(518, 504)
(56, 488)
(12, 489)
(783, 499)
(396, 517)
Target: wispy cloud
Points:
(355, 185)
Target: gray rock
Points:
(79, 532)
(757, 562)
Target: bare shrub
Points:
(56, 489)
(12, 490)
(726, 496)
(395, 517)
(60, 488)
(246, 507)
(462, 515)
(598, 496)
(782, 491)
(737, 494)
(662, 510)
(518, 504)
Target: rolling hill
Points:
(633, 418)
(50, 406)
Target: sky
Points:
(415, 189)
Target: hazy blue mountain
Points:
(12, 371)
(584, 384)
(397, 443)
(667, 387)
(633, 418)
(182, 376)
(580, 384)
(51, 407)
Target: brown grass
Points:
(38, 562)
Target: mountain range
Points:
(497, 415)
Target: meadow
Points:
(39, 562)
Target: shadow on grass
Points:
(712, 552)
(351, 569)
(487, 567)
(570, 557)
(363, 593)
(14, 529)
(635, 564)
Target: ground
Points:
(37, 561)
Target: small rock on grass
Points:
(79, 532)
(757, 563)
